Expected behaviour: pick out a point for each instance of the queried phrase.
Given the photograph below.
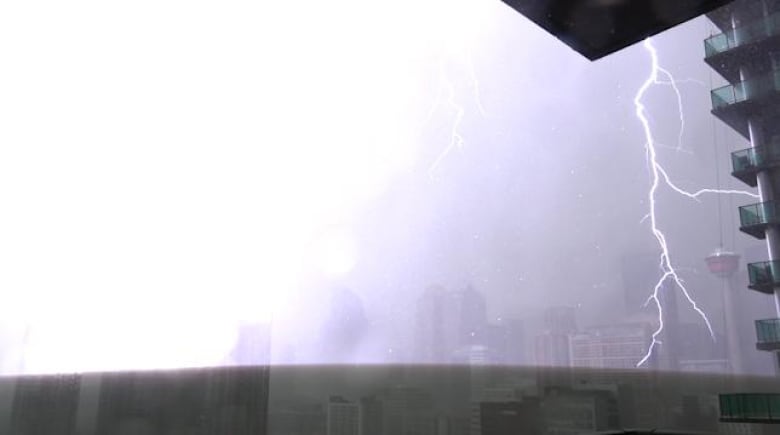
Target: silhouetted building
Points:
(473, 317)
(551, 347)
(507, 339)
(447, 322)
(344, 327)
(552, 350)
(560, 320)
(253, 346)
(343, 417)
(436, 326)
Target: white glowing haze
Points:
(166, 165)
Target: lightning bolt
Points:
(658, 175)
(456, 139)
(446, 85)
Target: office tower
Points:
(448, 323)
(747, 54)
(511, 346)
(473, 317)
(253, 346)
(436, 326)
(552, 350)
(619, 346)
(343, 417)
(560, 319)
(699, 353)
(344, 327)
(551, 347)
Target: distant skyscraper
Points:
(436, 326)
(560, 320)
(253, 346)
(447, 322)
(343, 417)
(552, 346)
(552, 350)
(699, 352)
(619, 346)
(473, 316)
(344, 327)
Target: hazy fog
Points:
(168, 176)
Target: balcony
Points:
(747, 90)
(747, 163)
(724, 53)
(763, 27)
(764, 276)
(734, 104)
(755, 218)
(768, 334)
(750, 408)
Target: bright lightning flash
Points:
(455, 48)
(659, 175)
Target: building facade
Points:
(612, 347)
(746, 53)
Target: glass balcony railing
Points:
(753, 158)
(759, 214)
(768, 331)
(743, 91)
(756, 30)
(756, 407)
(766, 273)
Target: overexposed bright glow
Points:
(164, 165)
(336, 252)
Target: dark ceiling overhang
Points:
(596, 28)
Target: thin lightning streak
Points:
(695, 195)
(456, 140)
(671, 82)
(657, 175)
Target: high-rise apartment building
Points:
(551, 347)
(747, 54)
